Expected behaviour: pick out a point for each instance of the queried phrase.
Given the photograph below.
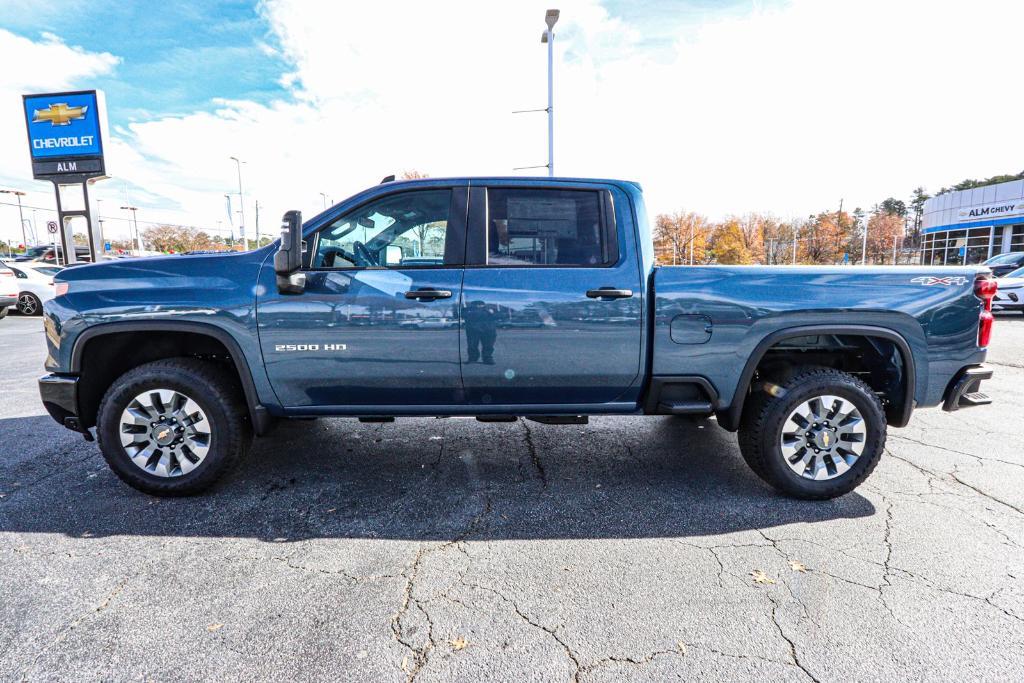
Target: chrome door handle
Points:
(609, 293)
(429, 294)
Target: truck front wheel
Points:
(816, 437)
(173, 427)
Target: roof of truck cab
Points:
(540, 180)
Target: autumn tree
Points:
(778, 239)
(729, 244)
(176, 239)
(675, 233)
(884, 231)
(824, 238)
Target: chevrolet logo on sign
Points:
(59, 114)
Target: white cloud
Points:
(784, 109)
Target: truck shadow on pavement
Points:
(418, 479)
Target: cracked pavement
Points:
(638, 549)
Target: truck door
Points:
(378, 323)
(552, 296)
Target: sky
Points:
(721, 107)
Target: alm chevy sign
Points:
(991, 211)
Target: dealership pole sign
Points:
(66, 132)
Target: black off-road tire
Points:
(217, 393)
(764, 416)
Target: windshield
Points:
(1011, 257)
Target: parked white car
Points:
(1010, 295)
(8, 289)
(34, 285)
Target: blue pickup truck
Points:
(503, 298)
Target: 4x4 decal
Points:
(933, 280)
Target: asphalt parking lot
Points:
(627, 549)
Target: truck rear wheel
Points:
(818, 437)
(173, 427)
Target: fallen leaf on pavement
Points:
(459, 643)
(760, 577)
(797, 566)
(214, 627)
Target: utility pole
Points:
(241, 202)
(21, 218)
(257, 224)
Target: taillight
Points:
(985, 289)
(61, 288)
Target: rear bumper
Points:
(963, 390)
(60, 398)
(6, 301)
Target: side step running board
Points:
(685, 407)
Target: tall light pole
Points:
(135, 222)
(99, 221)
(550, 18)
(21, 218)
(241, 201)
(324, 195)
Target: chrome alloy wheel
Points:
(823, 437)
(27, 304)
(165, 432)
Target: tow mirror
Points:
(288, 259)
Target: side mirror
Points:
(393, 255)
(288, 259)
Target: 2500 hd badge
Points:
(310, 347)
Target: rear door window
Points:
(542, 227)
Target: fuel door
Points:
(690, 329)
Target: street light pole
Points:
(324, 196)
(550, 18)
(241, 201)
(135, 222)
(21, 217)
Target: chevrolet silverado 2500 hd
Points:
(503, 298)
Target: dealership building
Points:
(969, 226)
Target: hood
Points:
(1010, 283)
(157, 271)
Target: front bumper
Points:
(60, 398)
(963, 390)
(1008, 300)
(6, 301)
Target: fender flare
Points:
(730, 417)
(261, 418)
